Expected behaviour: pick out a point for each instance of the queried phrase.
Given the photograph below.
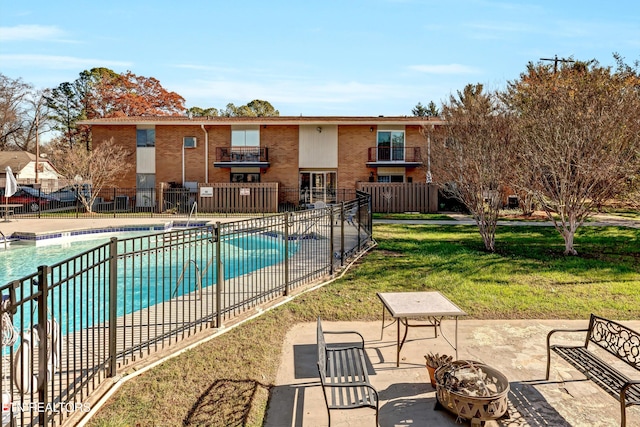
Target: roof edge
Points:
(280, 120)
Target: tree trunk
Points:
(488, 234)
(568, 234)
(489, 241)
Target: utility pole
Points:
(37, 144)
(555, 60)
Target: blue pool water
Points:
(23, 258)
(143, 280)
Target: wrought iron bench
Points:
(617, 340)
(343, 374)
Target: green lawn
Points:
(226, 381)
(409, 216)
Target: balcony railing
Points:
(401, 155)
(242, 155)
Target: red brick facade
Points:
(281, 135)
(353, 146)
(282, 142)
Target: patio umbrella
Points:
(10, 188)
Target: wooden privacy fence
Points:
(401, 197)
(238, 197)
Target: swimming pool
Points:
(151, 269)
(23, 258)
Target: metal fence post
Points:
(77, 200)
(43, 350)
(342, 234)
(359, 225)
(370, 222)
(219, 275)
(331, 246)
(286, 254)
(113, 304)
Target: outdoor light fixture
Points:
(371, 129)
(319, 129)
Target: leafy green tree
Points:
(431, 110)
(255, 108)
(203, 112)
(101, 92)
(66, 105)
(419, 110)
(74, 101)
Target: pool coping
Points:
(25, 236)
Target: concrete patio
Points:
(516, 348)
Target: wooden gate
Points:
(401, 197)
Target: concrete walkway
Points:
(47, 225)
(600, 220)
(516, 348)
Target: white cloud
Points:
(196, 67)
(445, 69)
(221, 92)
(31, 32)
(58, 62)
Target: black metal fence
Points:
(69, 326)
(170, 201)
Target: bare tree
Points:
(22, 113)
(99, 167)
(12, 95)
(471, 159)
(578, 136)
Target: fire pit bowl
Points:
(472, 390)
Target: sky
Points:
(308, 57)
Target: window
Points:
(145, 137)
(245, 177)
(245, 144)
(245, 138)
(390, 146)
(189, 142)
(390, 178)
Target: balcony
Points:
(407, 157)
(247, 157)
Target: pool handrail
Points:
(193, 207)
(198, 278)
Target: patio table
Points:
(430, 307)
(6, 209)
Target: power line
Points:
(555, 60)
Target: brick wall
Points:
(282, 142)
(414, 138)
(353, 145)
(219, 136)
(169, 141)
(124, 136)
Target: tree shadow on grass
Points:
(226, 402)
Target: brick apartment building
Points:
(316, 155)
